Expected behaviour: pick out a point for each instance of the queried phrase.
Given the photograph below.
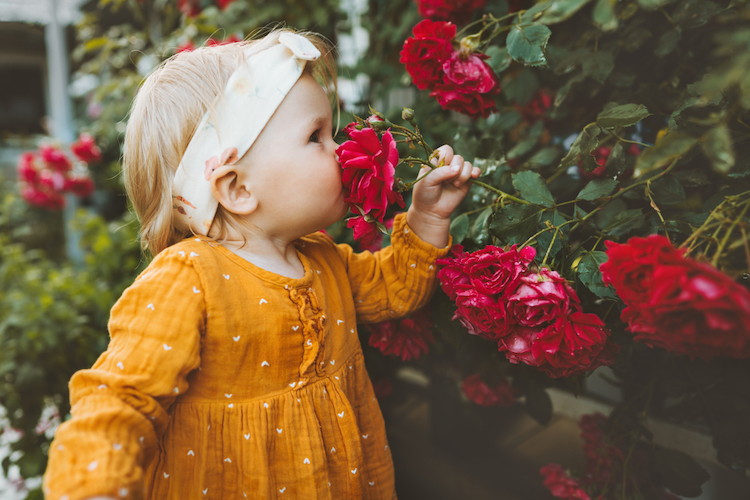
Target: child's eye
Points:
(315, 136)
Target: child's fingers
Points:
(445, 153)
(464, 174)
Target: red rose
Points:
(424, 54)
(190, 8)
(230, 39)
(475, 105)
(55, 158)
(541, 297)
(480, 393)
(188, 46)
(81, 186)
(459, 11)
(364, 232)
(693, 309)
(27, 169)
(86, 149)
(369, 172)
(50, 200)
(223, 4)
(561, 485)
(537, 107)
(481, 314)
(377, 242)
(573, 344)
(470, 73)
(630, 266)
(604, 460)
(408, 338)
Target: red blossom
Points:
(561, 485)
(86, 149)
(408, 338)
(536, 108)
(188, 46)
(365, 232)
(50, 200)
(480, 393)
(230, 39)
(27, 168)
(369, 175)
(223, 4)
(540, 298)
(383, 388)
(459, 11)
(81, 186)
(424, 54)
(190, 8)
(467, 86)
(55, 158)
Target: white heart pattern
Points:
(236, 339)
(93, 465)
(150, 306)
(333, 450)
(341, 415)
(413, 266)
(167, 347)
(295, 328)
(339, 321)
(282, 490)
(123, 492)
(181, 253)
(120, 365)
(265, 363)
(227, 395)
(262, 301)
(279, 430)
(431, 267)
(371, 483)
(354, 471)
(265, 405)
(230, 405)
(228, 460)
(333, 362)
(190, 453)
(365, 436)
(306, 461)
(247, 436)
(226, 276)
(103, 386)
(205, 491)
(176, 390)
(193, 254)
(309, 343)
(166, 475)
(195, 290)
(117, 446)
(292, 384)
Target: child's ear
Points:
(232, 190)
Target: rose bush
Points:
(477, 391)
(407, 338)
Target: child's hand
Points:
(437, 195)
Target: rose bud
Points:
(407, 114)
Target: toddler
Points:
(234, 368)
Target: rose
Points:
(366, 232)
(693, 309)
(50, 200)
(408, 338)
(573, 344)
(27, 169)
(86, 149)
(480, 393)
(630, 266)
(369, 175)
(537, 107)
(481, 314)
(452, 98)
(459, 11)
(424, 54)
(561, 485)
(188, 46)
(470, 73)
(81, 186)
(230, 39)
(190, 8)
(541, 297)
(55, 158)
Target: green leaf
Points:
(604, 15)
(459, 228)
(622, 218)
(543, 157)
(717, 146)
(667, 190)
(668, 42)
(538, 403)
(515, 223)
(616, 164)
(499, 58)
(585, 143)
(526, 43)
(599, 65)
(489, 166)
(521, 87)
(670, 147)
(532, 187)
(480, 224)
(596, 189)
(591, 276)
(560, 10)
(623, 115)
(680, 473)
(544, 240)
(527, 144)
(653, 4)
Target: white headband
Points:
(240, 118)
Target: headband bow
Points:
(240, 118)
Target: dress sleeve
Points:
(119, 406)
(396, 280)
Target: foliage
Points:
(615, 120)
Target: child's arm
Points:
(119, 406)
(401, 278)
(436, 197)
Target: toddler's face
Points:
(293, 166)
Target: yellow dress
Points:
(223, 380)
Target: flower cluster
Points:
(192, 8)
(674, 302)
(369, 165)
(46, 175)
(561, 485)
(459, 11)
(533, 314)
(460, 80)
(408, 338)
(480, 393)
(189, 46)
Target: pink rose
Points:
(55, 158)
(561, 485)
(541, 297)
(86, 149)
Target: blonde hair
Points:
(164, 116)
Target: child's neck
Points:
(276, 255)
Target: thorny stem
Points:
(629, 141)
(747, 247)
(554, 236)
(658, 212)
(724, 240)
